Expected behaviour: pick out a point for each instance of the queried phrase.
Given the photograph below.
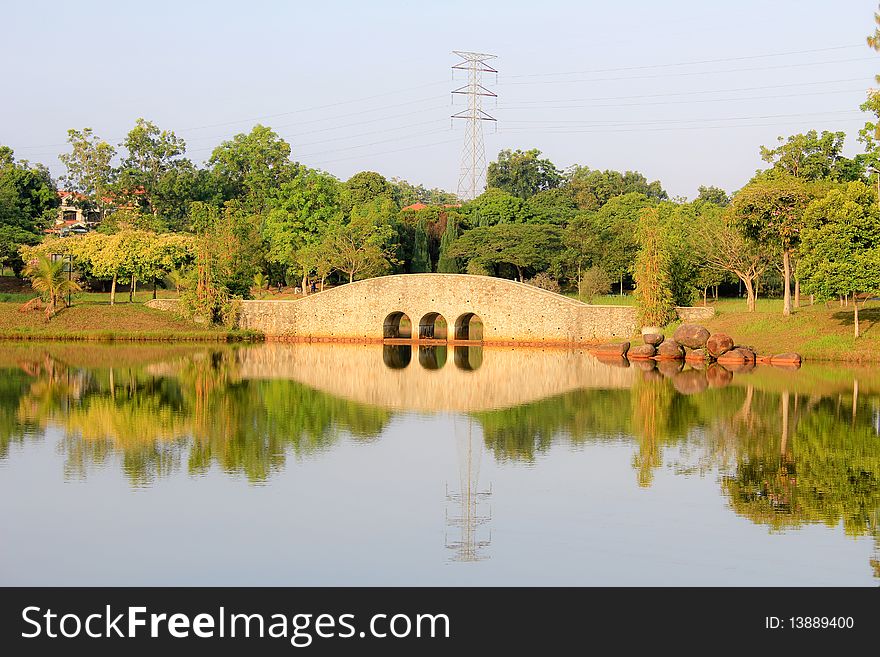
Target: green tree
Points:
(250, 167)
(421, 259)
(519, 245)
(366, 186)
(591, 189)
(522, 173)
(724, 247)
(770, 211)
(446, 264)
(405, 193)
(653, 280)
(89, 168)
(811, 156)
(616, 224)
(151, 154)
(299, 217)
(495, 206)
(840, 248)
(28, 202)
(714, 195)
(551, 206)
(361, 247)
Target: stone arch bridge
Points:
(440, 307)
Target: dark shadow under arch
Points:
(469, 327)
(396, 356)
(433, 326)
(433, 357)
(397, 325)
(467, 357)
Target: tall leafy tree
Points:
(250, 167)
(591, 189)
(495, 206)
(812, 156)
(551, 206)
(520, 245)
(421, 258)
(522, 173)
(723, 247)
(361, 247)
(652, 272)
(771, 211)
(299, 217)
(151, 154)
(366, 186)
(405, 193)
(840, 248)
(89, 167)
(447, 264)
(714, 195)
(28, 202)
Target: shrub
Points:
(545, 282)
(594, 282)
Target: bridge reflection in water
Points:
(788, 449)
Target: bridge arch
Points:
(433, 326)
(469, 326)
(397, 325)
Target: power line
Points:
(688, 73)
(690, 63)
(375, 143)
(688, 102)
(690, 93)
(396, 150)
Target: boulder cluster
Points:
(695, 345)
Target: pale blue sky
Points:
(365, 85)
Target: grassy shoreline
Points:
(91, 321)
(819, 333)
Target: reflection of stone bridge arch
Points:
(439, 307)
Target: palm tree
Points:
(51, 281)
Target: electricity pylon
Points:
(472, 178)
(470, 516)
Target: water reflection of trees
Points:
(784, 457)
(199, 415)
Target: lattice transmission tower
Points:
(472, 178)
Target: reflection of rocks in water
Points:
(743, 367)
(645, 365)
(717, 376)
(651, 374)
(468, 358)
(690, 382)
(612, 360)
(669, 368)
(432, 357)
(396, 356)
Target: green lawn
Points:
(606, 299)
(818, 332)
(93, 318)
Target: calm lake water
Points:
(368, 465)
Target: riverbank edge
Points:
(253, 337)
(243, 336)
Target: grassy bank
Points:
(817, 332)
(98, 321)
